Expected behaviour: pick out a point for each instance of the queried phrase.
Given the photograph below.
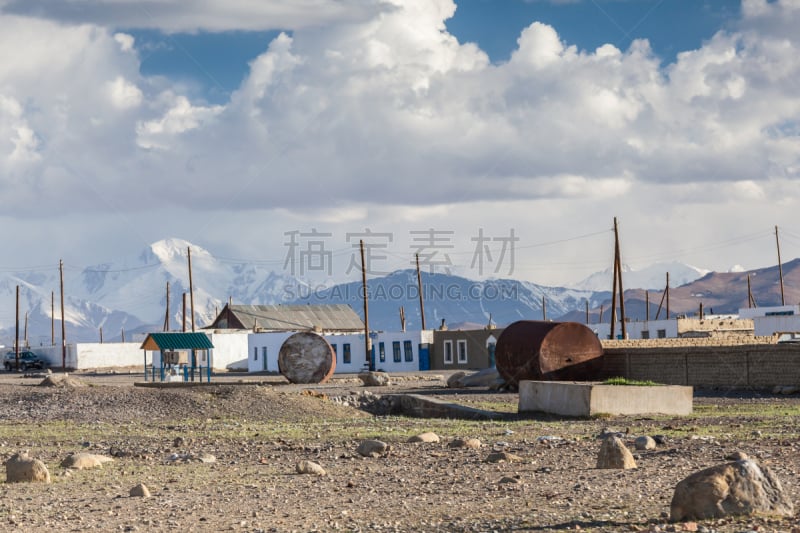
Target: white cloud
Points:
(353, 121)
(199, 15)
(123, 94)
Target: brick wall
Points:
(705, 362)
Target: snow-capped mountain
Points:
(131, 293)
(454, 299)
(653, 277)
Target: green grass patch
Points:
(625, 381)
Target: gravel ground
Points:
(258, 431)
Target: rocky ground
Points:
(257, 431)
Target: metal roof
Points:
(332, 317)
(177, 341)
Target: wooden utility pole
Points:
(25, 335)
(600, 318)
(614, 289)
(751, 302)
(646, 305)
(101, 334)
(544, 309)
(52, 318)
(419, 289)
(587, 312)
(16, 335)
(402, 318)
(780, 268)
(365, 292)
(166, 315)
(191, 287)
(618, 259)
(122, 334)
(183, 327)
(63, 323)
(664, 294)
(667, 293)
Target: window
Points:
(346, 353)
(462, 351)
(382, 352)
(396, 351)
(448, 352)
(662, 333)
(255, 353)
(645, 333)
(408, 350)
(335, 353)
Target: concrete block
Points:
(588, 399)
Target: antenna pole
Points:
(419, 289)
(16, 335)
(191, 288)
(367, 339)
(63, 324)
(166, 315)
(619, 273)
(780, 268)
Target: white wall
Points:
(230, 350)
(634, 329)
(273, 341)
(82, 356)
(753, 312)
(767, 325)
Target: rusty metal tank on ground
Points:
(306, 357)
(548, 351)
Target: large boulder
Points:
(488, 377)
(614, 454)
(20, 468)
(738, 488)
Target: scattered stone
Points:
(191, 457)
(21, 468)
(739, 488)
(372, 448)
(425, 437)
(61, 380)
(178, 442)
(488, 377)
(614, 454)
(785, 389)
(610, 432)
(503, 457)
(454, 381)
(465, 443)
(508, 479)
(310, 467)
(645, 443)
(140, 491)
(375, 379)
(737, 456)
(661, 440)
(82, 461)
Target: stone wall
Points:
(704, 362)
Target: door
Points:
(424, 357)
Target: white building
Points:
(392, 351)
(772, 320)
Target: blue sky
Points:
(213, 64)
(235, 123)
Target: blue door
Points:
(424, 357)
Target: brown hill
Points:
(719, 292)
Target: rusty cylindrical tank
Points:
(306, 357)
(548, 351)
